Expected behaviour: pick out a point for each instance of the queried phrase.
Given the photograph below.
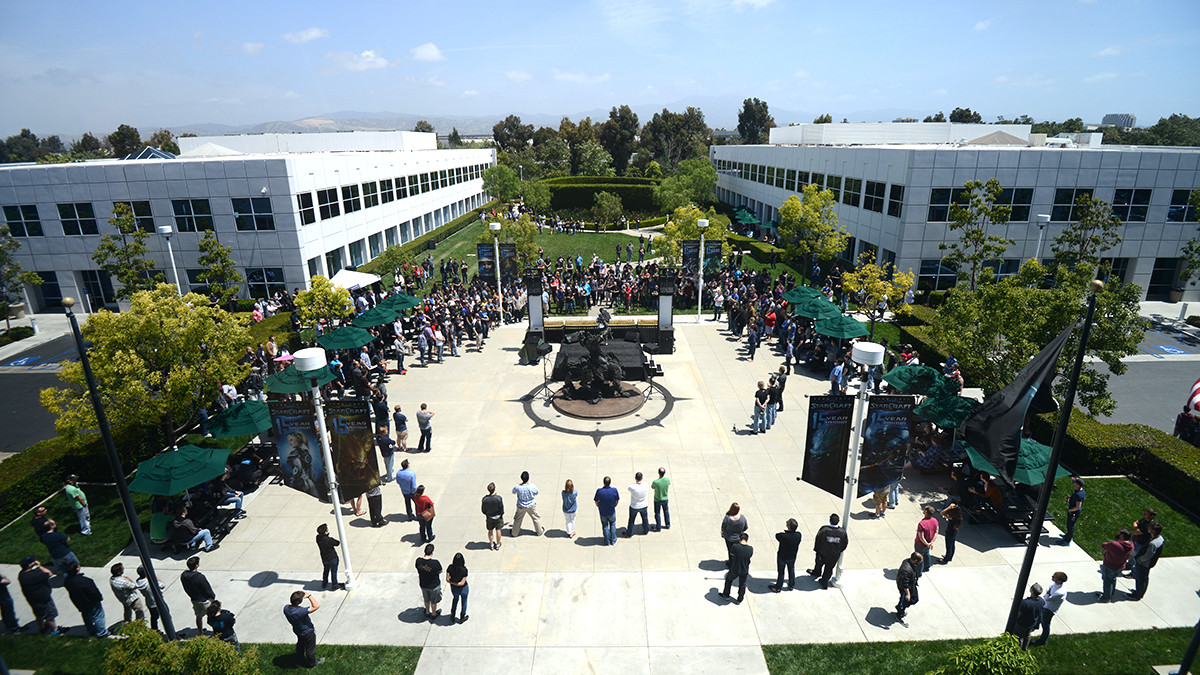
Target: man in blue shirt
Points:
(302, 626)
(406, 479)
(607, 499)
(400, 420)
(526, 494)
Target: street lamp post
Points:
(308, 360)
(867, 354)
(114, 463)
(495, 228)
(166, 231)
(703, 225)
(1043, 219)
(29, 309)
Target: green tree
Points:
(390, 261)
(606, 208)
(683, 226)
(823, 119)
(594, 160)
(882, 287)
(576, 136)
(219, 271)
(554, 156)
(145, 652)
(974, 210)
(619, 136)
(520, 232)
(87, 144)
(501, 182)
(537, 196)
(693, 183)
(809, 227)
(965, 116)
(51, 144)
(939, 117)
(511, 135)
(164, 140)
(1095, 230)
(161, 360)
(125, 141)
(424, 127)
(754, 121)
(323, 301)
(23, 147)
(654, 170)
(673, 137)
(12, 278)
(543, 134)
(454, 140)
(123, 255)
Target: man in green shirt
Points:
(79, 503)
(660, 486)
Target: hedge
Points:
(16, 333)
(636, 197)
(601, 180)
(759, 250)
(421, 243)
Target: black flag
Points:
(994, 429)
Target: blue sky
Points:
(69, 67)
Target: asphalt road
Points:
(22, 416)
(1152, 392)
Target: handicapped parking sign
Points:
(1170, 350)
(25, 361)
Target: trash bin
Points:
(1176, 294)
(432, 244)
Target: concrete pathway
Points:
(648, 604)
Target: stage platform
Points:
(634, 363)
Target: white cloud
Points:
(1109, 51)
(1100, 77)
(756, 4)
(427, 52)
(984, 25)
(252, 48)
(518, 76)
(579, 77)
(368, 60)
(291, 95)
(433, 81)
(820, 30)
(306, 35)
(801, 74)
(469, 93)
(1034, 80)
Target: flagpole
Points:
(868, 354)
(1060, 433)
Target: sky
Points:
(69, 67)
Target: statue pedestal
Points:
(606, 409)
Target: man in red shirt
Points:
(1116, 554)
(927, 531)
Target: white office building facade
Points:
(289, 205)
(894, 184)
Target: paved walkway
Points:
(649, 604)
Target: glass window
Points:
(1117, 268)
(253, 214)
(98, 286)
(23, 220)
(389, 235)
(1064, 203)
(1131, 205)
(415, 184)
(834, 185)
(1178, 212)
(853, 192)
(141, 215)
(314, 267)
(333, 261)
(195, 283)
(386, 194)
(49, 290)
(873, 198)
(1018, 200)
(425, 185)
(445, 178)
(356, 253)
(350, 200)
(376, 243)
(940, 200)
(818, 179)
(370, 193)
(401, 187)
(936, 275)
(308, 215)
(896, 201)
(327, 200)
(192, 215)
(78, 218)
(263, 282)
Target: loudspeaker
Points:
(666, 340)
(533, 337)
(544, 348)
(533, 282)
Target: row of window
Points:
(191, 215)
(938, 274)
(869, 195)
(261, 282)
(1131, 205)
(332, 202)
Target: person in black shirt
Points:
(221, 621)
(35, 586)
(41, 523)
(456, 576)
(327, 545)
(739, 567)
(87, 599)
(1028, 615)
(789, 544)
(906, 583)
(196, 585)
(829, 543)
(429, 575)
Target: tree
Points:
(123, 255)
(161, 360)
(594, 160)
(323, 300)
(125, 141)
(654, 170)
(682, 227)
(1095, 230)
(164, 140)
(51, 144)
(693, 183)
(939, 117)
(554, 156)
(510, 134)
(995, 330)
(754, 120)
(12, 278)
(390, 261)
(454, 140)
(965, 116)
(520, 232)
(543, 135)
(21, 148)
(809, 227)
(537, 196)
(823, 119)
(576, 136)
(424, 127)
(606, 208)
(619, 136)
(673, 137)
(973, 210)
(87, 144)
(881, 288)
(501, 182)
(219, 272)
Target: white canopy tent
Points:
(351, 280)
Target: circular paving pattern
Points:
(605, 408)
(656, 403)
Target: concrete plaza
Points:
(648, 604)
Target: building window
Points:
(416, 186)
(314, 267)
(1017, 199)
(1178, 212)
(23, 220)
(936, 275)
(940, 200)
(818, 179)
(308, 214)
(401, 187)
(834, 185)
(49, 290)
(896, 201)
(1064, 203)
(192, 215)
(253, 214)
(386, 193)
(370, 194)
(78, 218)
(98, 286)
(376, 243)
(426, 186)
(445, 178)
(790, 186)
(389, 235)
(195, 283)
(356, 253)
(333, 261)
(327, 200)
(1114, 268)
(263, 282)
(350, 200)
(873, 199)
(141, 214)
(853, 192)
(1131, 205)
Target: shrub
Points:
(1194, 320)
(917, 315)
(144, 652)
(999, 656)
(601, 180)
(937, 298)
(635, 197)
(14, 334)
(759, 250)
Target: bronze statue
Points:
(597, 375)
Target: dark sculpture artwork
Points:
(597, 375)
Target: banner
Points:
(828, 442)
(299, 450)
(487, 261)
(886, 436)
(712, 257)
(690, 248)
(509, 270)
(352, 443)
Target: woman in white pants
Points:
(570, 506)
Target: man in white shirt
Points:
(639, 502)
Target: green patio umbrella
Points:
(922, 380)
(748, 218)
(292, 381)
(841, 326)
(174, 471)
(1032, 461)
(802, 294)
(947, 412)
(376, 316)
(246, 418)
(346, 337)
(400, 302)
(818, 309)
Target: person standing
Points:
(660, 486)
(221, 621)
(639, 503)
(387, 449)
(198, 590)
(87, 599)
(739, 567)
(1074, 509)
(782, 377)
(492, 507)
(426, 429)
(400, 420)
(127, 592)
(456, 578)
(1029, 613)
(835, 378)
(58, 545)
(526, 493)
(1052, 602)
(143, 586)
(8, 612)
(429, 577)
(570, 503)
(927, 531)
(1147, 560)
(34, 579)
(759, 422)
(732, 526)
(302, 626)
(954, 519)
(785, 558)
(607, 499)
(1116, 553)
(425, 514)
(1141, 536)
(79, 502)
(828, 545)
(40, 522)
(906, 583)
(406, 479)
(327, 546)
(772, 401)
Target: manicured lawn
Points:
(1113, 503)
(1117, 653)
(110, 533)
(603, 244)
(83, 656)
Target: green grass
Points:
(1113, 503)
(84, 656)
(1116, 653)
(110, 534)
(603, 244)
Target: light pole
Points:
(114, 463)
(305, 361)
(1043, 219)
(495, 228)
(867, 354)
(703, 225)
(29, 308)
(166, 231)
